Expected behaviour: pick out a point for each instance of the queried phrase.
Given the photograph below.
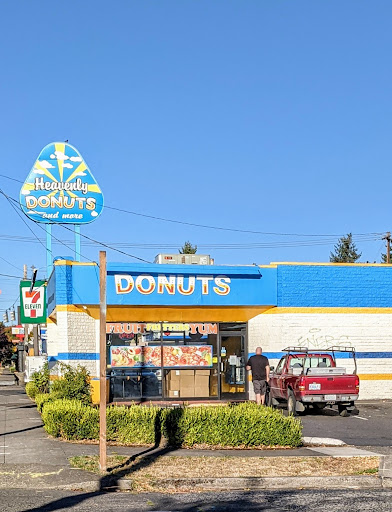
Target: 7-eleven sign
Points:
(33, 303)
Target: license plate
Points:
(314, 386)
(330, 397)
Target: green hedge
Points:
(42, 398)
(31, 389)
(245, 425)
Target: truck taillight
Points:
(301, 385)
(357, 382)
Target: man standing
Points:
(259, 365)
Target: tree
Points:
(345, 251)
(188, 248)
(6, 347)
(384, 256)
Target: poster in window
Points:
(138, 357)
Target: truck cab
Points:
(305, 378)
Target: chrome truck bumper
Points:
(329, 399)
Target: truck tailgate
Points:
(330, 385)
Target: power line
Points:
(108, 246)
(10, 199)
(84, 236)
(8, 275)
(206, 226)
(9, 263)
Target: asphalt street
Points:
(337, 501)
(370, 426)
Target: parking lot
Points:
(369, 426)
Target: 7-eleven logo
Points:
(33, 302)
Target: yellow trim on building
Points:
(375, 376)
(346, 311)
(74, 263)
(309, 264)
(170, 313)
(70, 308)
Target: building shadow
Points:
(110, 482)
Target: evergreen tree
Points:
(188, 248)
(345, 251)
(384, 256)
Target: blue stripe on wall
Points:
(75, 356)
(91, 356)
(339, 355)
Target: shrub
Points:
(243, 425)
(43, 398)
(134, 424)
(71, 419)
(41, 379)
(31, 389)
(246, 424)
(74, 384)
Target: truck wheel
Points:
(291, 404)
(343, 411)
(319, 406)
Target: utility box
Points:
(184, 259)
(33, 364)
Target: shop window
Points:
(172, 360)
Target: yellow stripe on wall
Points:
(346, 311)
(375, 376)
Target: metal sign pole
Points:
(49, 257)
(77, 242)
(102, 361)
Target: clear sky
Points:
(269, 116)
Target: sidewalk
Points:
(29, 458)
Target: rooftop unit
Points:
(184, 259)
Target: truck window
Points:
(296, 362)
(280, 366)
(318, 362)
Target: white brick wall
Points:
(75, 332)
(365, 332)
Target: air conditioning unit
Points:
(184, 259)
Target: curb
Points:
(322, 441)
(241, 484)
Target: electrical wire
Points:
(10, 199)
(84, 236)
(7, 275)
(9, 263)
(108, 246)
(206, 226)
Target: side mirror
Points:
(272, 368)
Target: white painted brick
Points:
(365, 332)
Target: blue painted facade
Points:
(248, 285)
(283, 285)
(333, 286)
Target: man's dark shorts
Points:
(260, 387)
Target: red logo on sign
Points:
(35, 296)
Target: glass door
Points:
(232, 343)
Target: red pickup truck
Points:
(308, 377)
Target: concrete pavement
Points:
(29, 458)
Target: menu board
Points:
(150, 357)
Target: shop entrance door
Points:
(232, 352)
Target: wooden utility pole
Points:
(387, 237)
(102, 361)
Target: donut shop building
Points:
(184, 332)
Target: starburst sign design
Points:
(61, 188)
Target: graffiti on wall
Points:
(316, 339)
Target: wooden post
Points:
(102, 361)
(388, 247)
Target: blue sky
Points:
(253, 115)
